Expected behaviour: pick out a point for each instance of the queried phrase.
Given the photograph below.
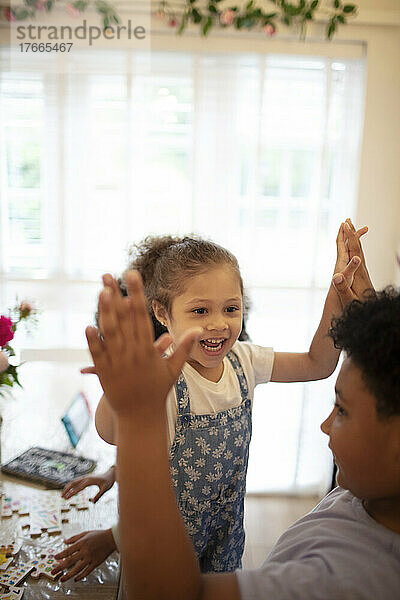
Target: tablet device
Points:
(49, 467)
(77, 417)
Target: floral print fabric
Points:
(208, 464)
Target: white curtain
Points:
(258, 152)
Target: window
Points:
(258, 152)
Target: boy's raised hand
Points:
(134, 377)
(351, 278)
(362, 280)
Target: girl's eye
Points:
(199, 311)
(232, 309)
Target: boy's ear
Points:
(160, 312)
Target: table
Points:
(32, 418)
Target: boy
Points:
(347, 548)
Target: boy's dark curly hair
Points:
(369, 332)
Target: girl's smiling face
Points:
(211, 300)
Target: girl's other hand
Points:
(85, 552)
(104, 481)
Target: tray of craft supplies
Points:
(51, 468)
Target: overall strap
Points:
(182, 396)
(237, 367)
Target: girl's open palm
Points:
(132, 373)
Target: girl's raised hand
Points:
(132, 373)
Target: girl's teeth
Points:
(213, 345)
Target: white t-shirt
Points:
(208, 397)
(336, 552)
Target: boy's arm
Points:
(321, 359)
(157, 555)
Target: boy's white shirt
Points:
(208, 397)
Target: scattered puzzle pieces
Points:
(14, 575)
(44, 566)
(44, 510)
(11, 592)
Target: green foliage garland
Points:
(257, 15)
(30, 8)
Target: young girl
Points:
(190, 282)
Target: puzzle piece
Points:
(44, 566)
(80, 500)
(5, 562)
(7, 554)
(6, 508)
(10, 506)
(10, 549)
(14, 575)
(45, 519)
(11, 592)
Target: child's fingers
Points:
(362, 231)
(110, 324)
(340, 242)
(64, 554)
(342, 288)
(75, 538)
(98, 495)
(118, 300)
(351, 268)
(143, 328)
(81, 564)
(352, 240)
(96, 348)
(88, 371)
(162, 343)
(75, 486)
(85, 572)
(181, 354)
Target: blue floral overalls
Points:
(208, 463)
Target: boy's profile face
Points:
(366, 447)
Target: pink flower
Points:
(172, 23)
(71, 10)
(3, 362)
(9, 15)
(160, 15)
(227, 17)
(40, 4)
(25, 309)
(6, 332)
(269, 29)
